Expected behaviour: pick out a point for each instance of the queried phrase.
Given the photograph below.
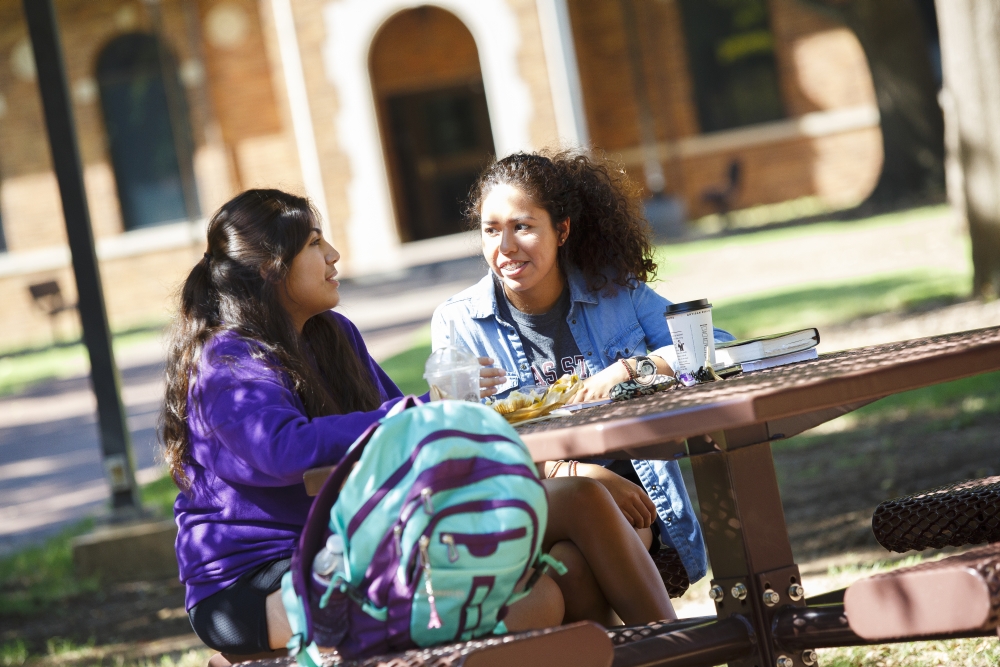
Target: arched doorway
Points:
(433, 118)
(149, 136)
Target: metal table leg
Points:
(748, 547)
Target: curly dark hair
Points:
(609, 239)
(252, 240)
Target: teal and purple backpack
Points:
(440, 518)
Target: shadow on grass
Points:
(33, 579)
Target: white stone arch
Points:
(351, 26)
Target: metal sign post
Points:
(116, 442)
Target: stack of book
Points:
(755, 354)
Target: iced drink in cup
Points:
(453, 372)
(690, 325)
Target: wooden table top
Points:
(763, 405)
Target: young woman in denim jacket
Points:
(569, 257)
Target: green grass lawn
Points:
(668, 252)
(822, 305)
(22, 368)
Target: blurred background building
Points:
(384, 111)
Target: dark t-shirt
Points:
(548, 342)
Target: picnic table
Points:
(763, 617)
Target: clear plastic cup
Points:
(690, 325)
(452, 373)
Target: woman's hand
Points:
(490, 377)
(599, 386)
(631, 499)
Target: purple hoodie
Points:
(250, 443)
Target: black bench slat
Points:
(948, 516)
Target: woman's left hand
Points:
(599, 386)
(490, 377)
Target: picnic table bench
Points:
(763, 617)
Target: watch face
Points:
(645, 367)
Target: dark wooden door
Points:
(439, 142)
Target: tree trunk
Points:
(894, 40)
(970, 53)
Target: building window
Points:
(731, 51)
(149, 135)
(433, 118)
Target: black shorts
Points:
(234, 620)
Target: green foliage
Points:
(57, 646)
(33, 578)
(13, 654)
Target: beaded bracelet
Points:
(631, 373)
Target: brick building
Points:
(384, 110)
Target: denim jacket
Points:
(606, 328)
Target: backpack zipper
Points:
(449, 539)
(425, 498)
(397, 534)
(435, 621)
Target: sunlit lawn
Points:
(21, 369)
(829, 304)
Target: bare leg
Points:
(583, 597)
(278, 629)
(543, 608)
(218, 660)
(582, 511)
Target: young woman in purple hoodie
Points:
(263, 382)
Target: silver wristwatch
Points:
(644, 367)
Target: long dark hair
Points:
(252, 240)
(609, 240)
